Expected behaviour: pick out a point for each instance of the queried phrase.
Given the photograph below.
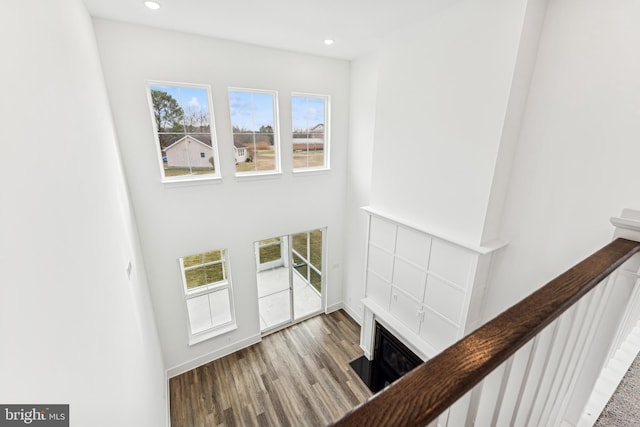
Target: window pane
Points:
(300, 265)
(308, 155)
(190, 261)
(309, 120)
(253, 127)
(195, 104)
(200, 318)
(214, 273)
(299, 243)
(315, 240)
(270, 253)
(168, 139)
(197, 259)
(220, 307)
(182, 122)
(212, 256)
(265, 157)
(316, 280)
(198, 273)
(211, 307)
(195, 277)
(206, 275)
(208, 311)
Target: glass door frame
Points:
(287, 244)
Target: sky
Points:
(307, 111)
(250, 110)
(191, 99)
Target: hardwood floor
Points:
(299, 376)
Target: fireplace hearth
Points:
(391, 360)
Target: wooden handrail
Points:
(423, 394)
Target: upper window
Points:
(255, 133)
(309, 115)
(208, 295)
(183, 123)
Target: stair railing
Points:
(522, 368)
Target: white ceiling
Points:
(357, 26)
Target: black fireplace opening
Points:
(391, 360)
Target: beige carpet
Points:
(624, 407)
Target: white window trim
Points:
(214, 142)
(276, 132)
(214, 331)
(327, 134)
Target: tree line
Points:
(170, 117)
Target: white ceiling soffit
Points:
(357, 26)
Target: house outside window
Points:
(310, 120)
(254, 122)
(182, 119)
(208, 294)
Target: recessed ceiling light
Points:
(152, 5)
(328, 42)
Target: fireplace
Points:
(391, 360)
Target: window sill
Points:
(184, 182)
(258, 175)
(203, 336)
(315, 171)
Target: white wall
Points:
(577, 159)
(181, 219)
(520, 83)
(74, 328)
(364, 81)
(443, 93)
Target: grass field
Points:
(302, 159)
(265, 160)
(185, 171)
(270, 253)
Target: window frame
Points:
(206, 289)
(276, 131)
(217, 174)
(327, 133)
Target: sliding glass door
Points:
(290, 279)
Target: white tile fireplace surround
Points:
(424, 288)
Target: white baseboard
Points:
(167, 398)
(210, 357)
(334, 307)
(341, 305)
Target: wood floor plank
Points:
(299, 376)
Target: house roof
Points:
(201, 138)
(318, 127)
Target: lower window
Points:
(208, 294)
